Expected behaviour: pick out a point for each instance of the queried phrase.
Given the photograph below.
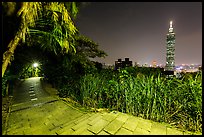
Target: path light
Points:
(35, 65)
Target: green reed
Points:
(175, 101)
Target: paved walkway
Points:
(53, 116)
(56, 117)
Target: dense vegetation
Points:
(141, 93)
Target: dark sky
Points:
(137, 30)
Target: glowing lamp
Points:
(35, 65)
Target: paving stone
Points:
(14, 119)
(56, 128)
(26, 124)
(74, 116)
(56, 122)
(46, 121)
(140, 131)
(13, 126)
(131, 123)
(50, 116)
(43, 132)
(174, 131)
(158, 129)
(122, 117)
(98, 126)
(37, 123)
(113, 127)
(82, 123)
(27, 132)
(110, 116)
(67, 132)
(103, 133)
(94, 120)
(40, 130)
(24, 114)
(124, 131)
(57, 113)
(80, 130)
(66, 128)
(61, 118)
(18, 131)
(82, 118)
(144, 124)
(86, 132)
(94, 115)
(68, 123)
(24, 129)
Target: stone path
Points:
(52, 116)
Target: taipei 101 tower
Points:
(170, 49)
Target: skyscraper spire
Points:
(171, 26)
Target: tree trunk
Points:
(10, 52)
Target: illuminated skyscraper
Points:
(170, 49)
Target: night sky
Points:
(137, 30)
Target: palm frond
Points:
(30, 12)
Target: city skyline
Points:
(137, 30)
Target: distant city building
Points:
(145, 65)
(170, 49)
(123, 64)
(137, 64)
(154, 64)
(107, 66)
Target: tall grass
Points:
(175, 101)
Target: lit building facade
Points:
(170, 49)
(154, 63)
